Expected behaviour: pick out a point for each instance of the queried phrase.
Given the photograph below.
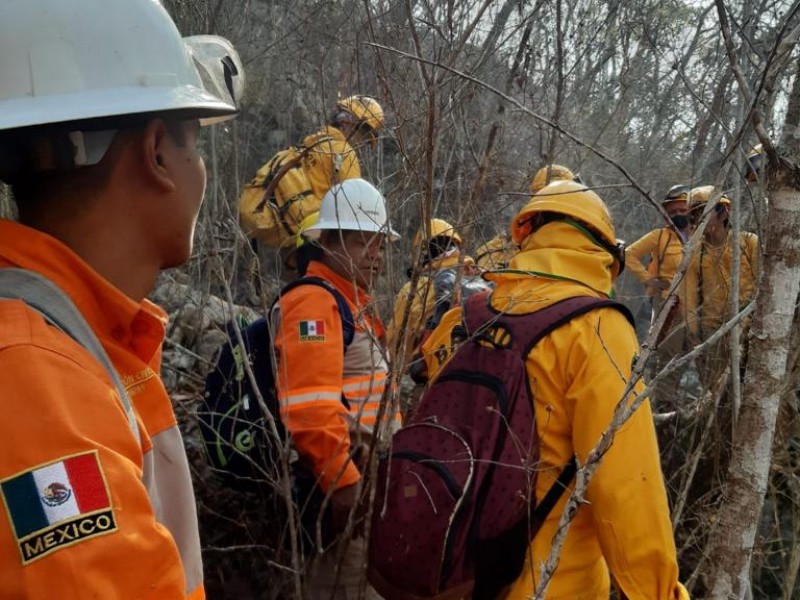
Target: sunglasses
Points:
(720, 208)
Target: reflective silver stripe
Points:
(365, 400)
(169, 484)
(296, 399)
(372, 384)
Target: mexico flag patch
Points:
(58, 504)
(312, 331)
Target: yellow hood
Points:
(559, 251)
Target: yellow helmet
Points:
(699, 197)
(677, 193)
(755, 161)
(439, 228)
(575, 201)
(549, 174)
(366, 110)
(570, 199)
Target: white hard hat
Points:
(353, 205)
(64, 61)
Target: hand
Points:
(656, 285)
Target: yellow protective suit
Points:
(665, 249)
(331, 161)
(496, 253)
(705, 293)
(577, 375)
(423, 303)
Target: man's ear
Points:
(155, 149)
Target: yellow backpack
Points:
(273, 205)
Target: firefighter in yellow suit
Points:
(333, 159)
(443, 252)
(577, 375)
(498, 252)
(663, 247)
(706, 291)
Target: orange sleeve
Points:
(92, 530)
(309, 349)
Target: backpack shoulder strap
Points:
(57, 308)
(348, 321)
(528, 329)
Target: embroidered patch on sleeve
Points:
(58, 504)
(312, 331)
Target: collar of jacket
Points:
(357, 297)
(559, 251)
(110, 313)
(327, 131)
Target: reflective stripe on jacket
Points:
(135, 536)
(314, 374)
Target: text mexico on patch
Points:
(312, 331)
(58, 504)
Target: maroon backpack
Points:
(454, 510)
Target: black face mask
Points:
(680, 221)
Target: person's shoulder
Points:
(604, 321)
(25, 330)
(22, 325)
(749, 238)
(319, 294)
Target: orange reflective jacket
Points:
(87, 509)
(314, 374)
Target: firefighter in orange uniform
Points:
(100, 103)
(707, 289)
(330, 397)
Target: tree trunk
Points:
(731, 545)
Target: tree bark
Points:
(731, 545)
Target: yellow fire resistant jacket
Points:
(496, 253)
(577, 375)
(423, 303)
(706, 292)
(665, 249)
(331, 161)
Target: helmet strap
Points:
(617, 251)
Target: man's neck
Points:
(717, 239)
